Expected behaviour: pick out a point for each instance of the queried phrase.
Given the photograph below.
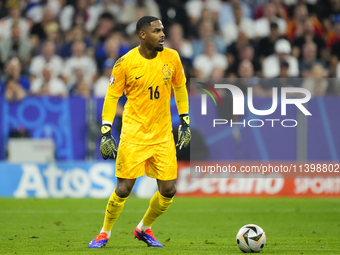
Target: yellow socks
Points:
(158, 205)
(114, 207)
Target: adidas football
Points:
(251, 239)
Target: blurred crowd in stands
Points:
(68, 47)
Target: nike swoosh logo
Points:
(139, 77)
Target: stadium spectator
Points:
(130, 29)
(245, 71)
(332, 31)
(109, 6)
(248, 78)
(284, 67)
(130, 8)
(271, 64)
(230, 30)
(234, 50)
(204, 64)
(266, 44)
(55, 6)
(33, 10)
(282, 11)
(112, 48)
(310, 4)
(316, 83)
(177, 42)
(173, 11)
(262, 25)
(245, 53)
(53, 35)
(206, 34)
(3, 10)
(75, 34)
(80, 87)
(100, 86)
(16, 46)
(227, 14)
(208, 16)
(82, 90)
(217, 73)
(14, 17)
(282, 80)
(48, 58)
(327, 8)
(80, 14)
(105, 26)
(308, 59)
(47, 85)
(334, 42)
(79, 61)
(308, 35)
(13, 84)
(194, 9)
(38, 30)
(295, 25)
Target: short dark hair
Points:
(144, 21)
(107, 15)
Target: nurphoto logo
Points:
(238, 104)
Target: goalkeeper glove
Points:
(184, 134)
(108, 145)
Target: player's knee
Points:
(124, 187)
(123, 191)
(168, 192)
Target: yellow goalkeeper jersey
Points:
(147, 86)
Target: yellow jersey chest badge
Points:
(167, 72)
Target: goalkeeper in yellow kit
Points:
(146, 75)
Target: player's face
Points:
(154, 38)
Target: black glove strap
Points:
(184, 120)
(106, 129)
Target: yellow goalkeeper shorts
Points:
(156, 161)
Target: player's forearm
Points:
(109, 109)
(182, 100)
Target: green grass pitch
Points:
(190, 226)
